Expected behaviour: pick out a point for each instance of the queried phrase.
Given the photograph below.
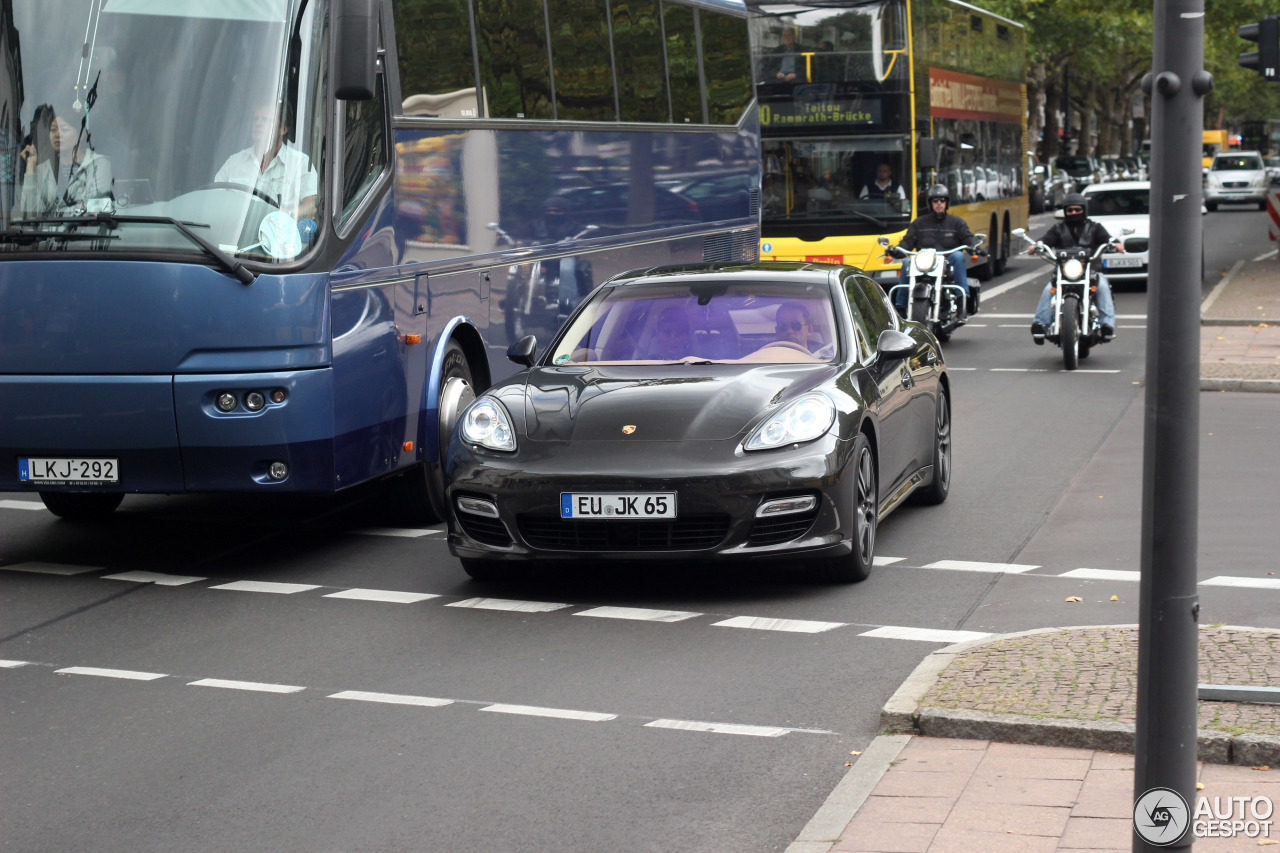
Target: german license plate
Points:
(610, 505)
(64, 470)
(1111, 263)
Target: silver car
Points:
(1236, 177)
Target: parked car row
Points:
(1051, 181)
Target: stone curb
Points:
(1222, 383)
(905, 714)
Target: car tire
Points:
(420, 488)
(1211, 206)
(936, 492)
(81, 506)
(856, 566)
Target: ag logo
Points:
(628, 429)
(1160, 816)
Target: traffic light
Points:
(1266, 59)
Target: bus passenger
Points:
(62, 172)
(273, 167)
(786, 64)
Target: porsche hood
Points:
(679, 403)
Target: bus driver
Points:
(274, 167)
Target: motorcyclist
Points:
(1076, 229)
(937, 229)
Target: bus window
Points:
(642, 74)
(434, 57)
(514, 72)
(580, 59)
(364, 148)
(728, 65)
(682, 63)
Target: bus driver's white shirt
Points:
(288, 178)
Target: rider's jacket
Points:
(926, 232)
(1088, 234)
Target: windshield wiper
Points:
(829, 215)
(23, 237)
(112, 221)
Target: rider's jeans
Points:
(955, 259)
(1106, 308)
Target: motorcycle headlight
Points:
(799, 421)
(925, 260)
(1073, 270)
(487, 424)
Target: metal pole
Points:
(1167, 619)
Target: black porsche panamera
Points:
(724, 411)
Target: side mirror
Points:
(882, 240)
(1020, 233)
(893, 345)
(928, 153)
(355, 35)
(1059, 214)
(980, 239)
(523, 350)
(1039, 170)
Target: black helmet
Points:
(1074, 200)
(938, 191)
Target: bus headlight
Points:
(226, 401)
(1073, 270)
(254, 401)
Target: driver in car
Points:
(793, 325)
(273, 167)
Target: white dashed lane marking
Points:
(51, 569)
(640, 614)
(759, 623)
(383, 595)
(111, 673)
(153, 577)
(718, 728)
(266, 586)
(12, 664)
(1244, 583)
(8, 504)
(557, 713)
(255, 686)
(509, 605)
(1102, 575)
(967, 566)
(927, 635)
(392, 698)
(403, 532)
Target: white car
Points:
(1120, 207)
(1236, 177)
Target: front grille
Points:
(691, 533)
(771, 531)
(1136, 244)
(481, 528)
(1235, 185)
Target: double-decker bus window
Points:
(580, 58)
(727, 60)
(637, 48)
(682, 63)
(437, 67)
(364, 148)
(515, 73)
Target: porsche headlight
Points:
(1072, 270)
(925, 260)
(487, 424)
(802, 420)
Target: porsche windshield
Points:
(208, 112)
(750, 322)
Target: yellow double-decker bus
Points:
(866, 103)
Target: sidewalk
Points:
(1024, 742)
(1240, 329)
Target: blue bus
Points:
(275, 246)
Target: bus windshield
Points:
(148, 121)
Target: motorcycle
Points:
(935, 298)
(539, 303)
(1076, 326)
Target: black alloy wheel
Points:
(936, 492)
(856, 566)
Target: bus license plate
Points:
(66, 471)
(1111, 263)
(613, 505)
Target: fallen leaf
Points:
(1268, 842)
(1221, 338)
(859, 752)
(848, 764)
(1074, 598)
(1261, 767)
(1199, 786)
(1115, 598)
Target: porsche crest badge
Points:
(628, 429)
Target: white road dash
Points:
(12, 664)
(962, 369)
(639, 614)
(1019, 370)
(797, 626)
(967, 566)
(266, 586)
(718, 728)
(389, 596)
(403, 532)
(111, 673)
(1085, 370)
(8, 504)
(257, 686)
(558, 713)
(508, 604)
(1243, 583)
(153, 577)
(392, 698)
(50, 569)
(1102, 575)
(886, 561)
(927, 635)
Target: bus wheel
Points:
(1000, 252)
(421, 488)
(81, 506)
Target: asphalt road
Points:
(224, 674)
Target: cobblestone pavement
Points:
(1240, 329)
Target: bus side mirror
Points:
(928, 153)
(356, 49)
